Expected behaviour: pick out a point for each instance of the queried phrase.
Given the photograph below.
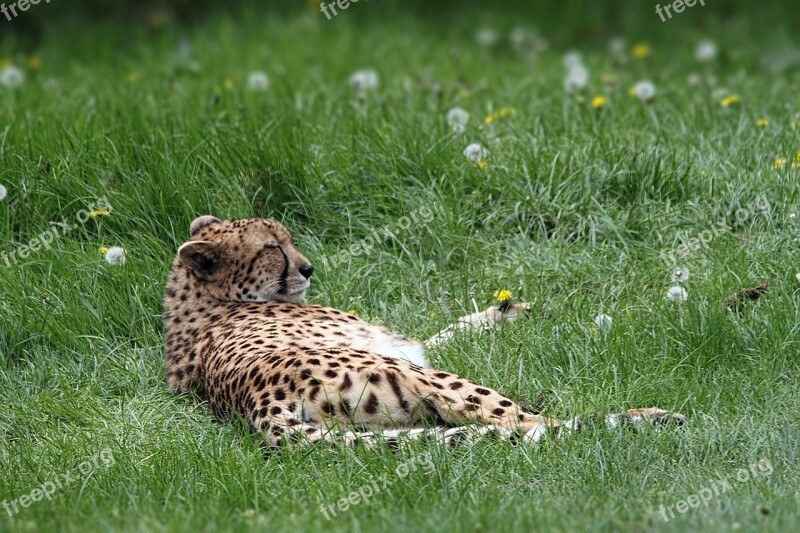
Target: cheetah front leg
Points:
(492, 318)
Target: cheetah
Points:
(237, 333)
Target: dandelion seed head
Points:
(680, 275)
(364, 80)
(577, 78)
(676, 293)
(257, 81)
(457, 119)
(115, 255)
(644, 90)
(476, 153)
(706, 51)
(12, 76)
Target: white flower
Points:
(706, 51)
(603, 321)
(680, 275)
(644, 91)
(115, 256)
(258, 81)
(476, 153)
(457, 119)
(676, 293)
(3, 193)
(11, 76)
(693, 80)
(487, 37)
(364, 80)
(577, 78)
(572, 59)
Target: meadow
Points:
(591, 193)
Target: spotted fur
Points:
(236, 331)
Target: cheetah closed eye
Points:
(236, 329)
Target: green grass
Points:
(572, 213)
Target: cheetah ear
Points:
(202, 222)
(204, 258)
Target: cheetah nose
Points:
(306, 270)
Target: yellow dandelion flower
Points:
(502, 295)
(431, 314)
(598, 102)
(797, 156)
(504, 112)
(482, 165)
(641, 50)
(99, 213)
(351, 312)
(228, 84)
(703, 173)
(795, 165)
(779, 164)
(132, 76)
(103, 250)
(33, 62)
(762, 123)
(730, 100)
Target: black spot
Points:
(331, 373)
(456, 385)
(499, 411)
(345, 407)
(328, 408)
(346, 383)
(485, 392)
(275, 410)
(371, 406)
(280, 395)
(505, 403)
(442, 375)
(395, 384)
(374, 378)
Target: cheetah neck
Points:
(189, 318)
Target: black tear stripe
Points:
(391, 377)
(285, 272)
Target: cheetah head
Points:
(248, 260)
